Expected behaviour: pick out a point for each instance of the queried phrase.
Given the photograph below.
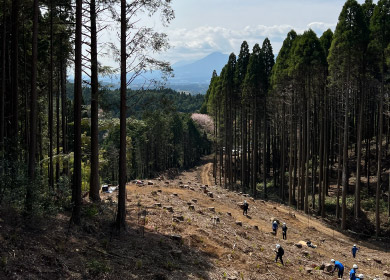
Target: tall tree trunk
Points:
(76, 191)
(244, 149)
(265, 158)
(58, 126)
(291, 157)
(345, 161)
(295, 145)
(379, 144)
(339, 172)
(15, 75)
(321, 161)
(255, 150)
(3, 75)
(50, 102)
(64, 115)
(94, 180)
(358, 160)
(121, 217)
(307, 153)
(283, 152)
(33, 110)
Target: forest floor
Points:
(178, 230)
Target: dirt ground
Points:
(184, 228)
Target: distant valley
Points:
(189, 76)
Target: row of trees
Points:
(41, 130)
(315, 112)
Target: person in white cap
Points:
(340, 268)
(354, 250)
(352, 273)
(245, 207)
(279, 253)
(284, 231)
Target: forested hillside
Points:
(102, 183)
(62, 140)
(139, 101)
(311, 129)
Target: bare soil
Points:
(199, 239)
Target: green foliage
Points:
(139, 101)
(254, 79)
(90, 211)
(280, 70)
(138, 264)
(96, 267)
(348, 43)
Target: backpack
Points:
(281, 251)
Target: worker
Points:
(352, 273)
(275, 227)
(245, 207)
(361, 276)
(339, 266)
(354, 250)
(279, 253)
(284, 231)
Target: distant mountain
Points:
(201, 70)
(195, 76)
(189, 76)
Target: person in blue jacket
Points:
(354, 250)
(339, 266)
(352, 273)
(275, 227)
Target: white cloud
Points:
(197, 42)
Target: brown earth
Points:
(198, 240)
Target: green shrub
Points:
(96, 267)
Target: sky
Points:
(201, 27)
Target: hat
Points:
(354, 245)
(332, 260)
(244, 201)
(277, 246)
(284, 224)
(355, 266)
(275, 222)
(361, 276)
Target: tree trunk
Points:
(244, 149)
(283, 152)
(321, 162)
(64, 114)
(307, 153)
(254, 150)
(76, 191)
(94, 179)
(291, 158)
(265, 158)
(15, 75)
(33, 111)
(121, 217)
(3, 75)
(345, 162)
(358, 160)
(58, 127)
(379, 144)
(50, 103)
(339, 172)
